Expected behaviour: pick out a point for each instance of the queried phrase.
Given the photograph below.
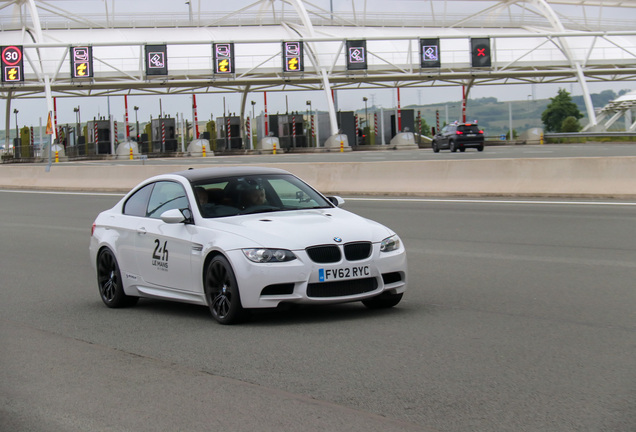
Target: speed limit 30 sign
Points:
(12, 63)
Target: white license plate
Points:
(471, 135)
(354, 272)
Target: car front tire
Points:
(109, 281)
(222, 292)
(383, 301)
(453, 146)
(435, 146)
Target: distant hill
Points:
(493, 115)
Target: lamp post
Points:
(136, 108)
(189, 11)
(253, 125)
(309, 123)
(17, 130)
(76, 110)
(366, 115)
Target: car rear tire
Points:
(383, 301)
(453, 146)
(435, 147)
(222, 292)
(463, 149)
(480, 148)
(109, 281)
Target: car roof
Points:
(194, 175)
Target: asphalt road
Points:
(519, 317)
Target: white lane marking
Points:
(491, 201)
(62, 192)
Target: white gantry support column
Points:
(304, 17)
(549, 13)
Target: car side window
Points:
(166, 195)
(137, 204)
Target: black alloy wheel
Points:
(109, 281)
(222, 292)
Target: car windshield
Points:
(231, 196)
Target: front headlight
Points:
(390, 244)
(263, 255)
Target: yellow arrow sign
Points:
(49, 125)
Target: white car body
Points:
(166, 257)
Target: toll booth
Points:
(322, 125)
(391, 124)
(22, 146)
(347, 125)
(68, 139)
(273, 125)
(228, 133)
(144, 143)
(163, 137)
(98, 138)
(291, 133)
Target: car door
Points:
(443, 139)
(163, 250)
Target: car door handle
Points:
(141, 231)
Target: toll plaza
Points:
(462, 56)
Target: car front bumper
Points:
(304, 281)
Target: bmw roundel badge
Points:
(337, 239)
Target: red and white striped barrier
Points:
(375, 121)
(229, 134)
(248, 131)
(163, 136)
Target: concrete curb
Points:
(609, 177)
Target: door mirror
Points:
(336, 200)
(173, 216)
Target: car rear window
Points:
(468, 128)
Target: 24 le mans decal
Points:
(160, 255)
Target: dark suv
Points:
(459, 136)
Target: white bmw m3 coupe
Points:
(242, 238)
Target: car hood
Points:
(299, 229)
